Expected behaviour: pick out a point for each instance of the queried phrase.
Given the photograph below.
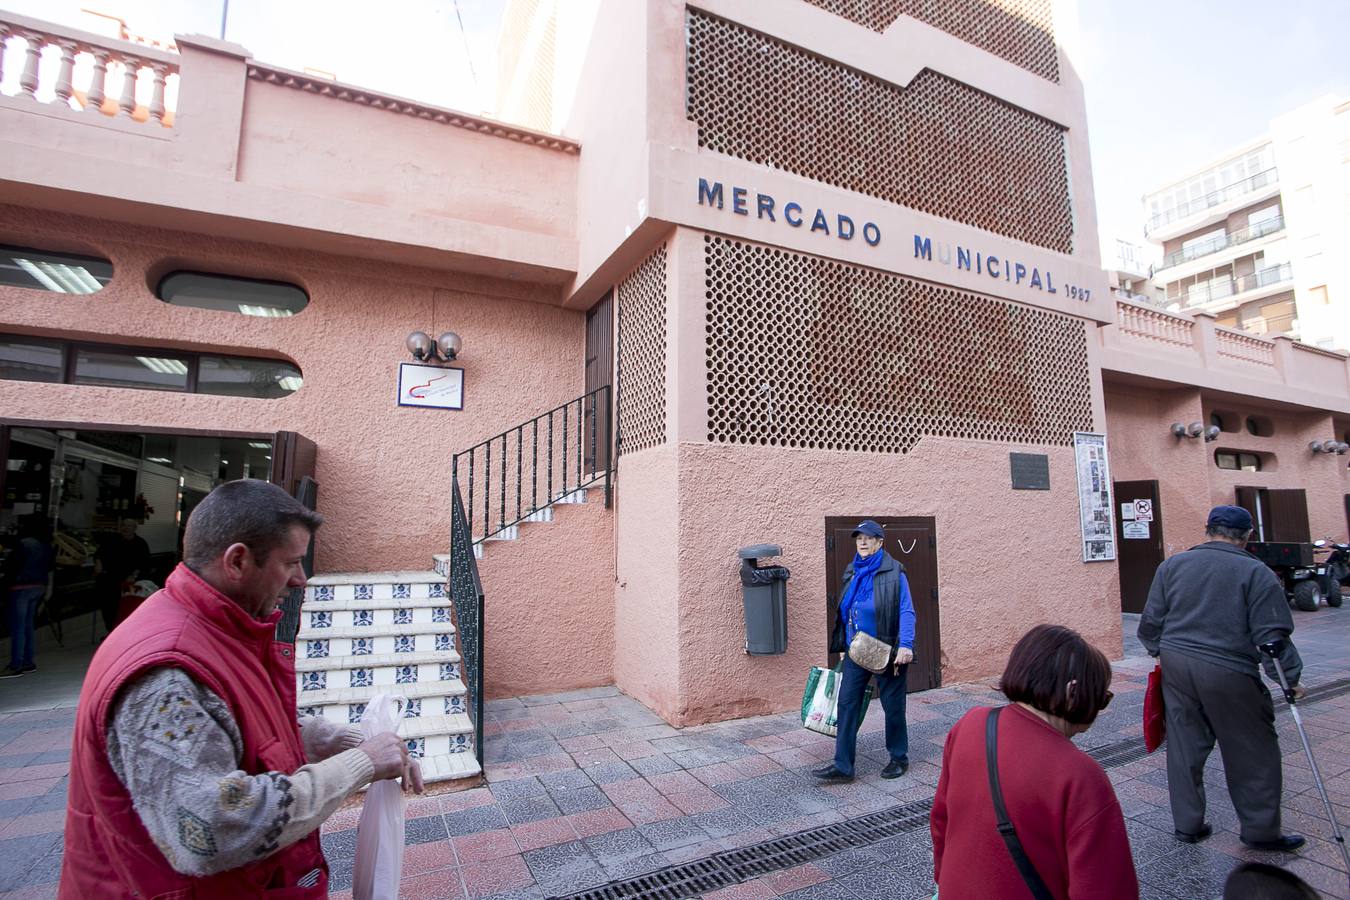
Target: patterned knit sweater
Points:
(176, 748)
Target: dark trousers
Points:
(23, 604)
(1206, 702)
(892, 691)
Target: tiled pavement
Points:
(590, 787)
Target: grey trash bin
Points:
(764, 594)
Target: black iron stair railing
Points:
(513, 475)
(466, 594)
(569, 448)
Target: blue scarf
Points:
(860, 588)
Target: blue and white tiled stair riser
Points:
(395, 633)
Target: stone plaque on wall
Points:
(1030, 471)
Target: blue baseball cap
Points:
(869, 528)
(1230, 517)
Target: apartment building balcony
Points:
(1220, 250)
(1222, 294)
(1212, 207)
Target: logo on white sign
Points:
(1143, 510)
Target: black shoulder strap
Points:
(1005, 827)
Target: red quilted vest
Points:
(190, 626)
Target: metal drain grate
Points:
(730, 867)
(734, 866)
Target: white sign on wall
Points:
(439, 387)
(1094, 497)
(1143, 510)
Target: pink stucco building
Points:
(803, 263)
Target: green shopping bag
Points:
(820, 700)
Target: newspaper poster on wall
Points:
(1094, 497)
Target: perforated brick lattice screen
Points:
(936, 145)
(1020, 31)
(642, 355)
(809, 352)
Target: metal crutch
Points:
(1273, 649)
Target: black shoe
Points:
(1285, 843)
(28, 668)
(1205, 831)
(10, 672)
(895, 768)
(830, 773)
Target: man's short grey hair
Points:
(1224, 531)
(257, 514)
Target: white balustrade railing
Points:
(84, 72)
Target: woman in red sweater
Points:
(1058, 799)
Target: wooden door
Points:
(1252, 499)
(1288, 515)
(293, 457)
(1139, 541)
(912, 540)
(293, 460)
(599, 372)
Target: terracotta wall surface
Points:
(549, 603)
(349, 152)
(1142, 448)
(1007, 559)
(1138, 418)
(383, 471)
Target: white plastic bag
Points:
(380, 834)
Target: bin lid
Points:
(757, 551)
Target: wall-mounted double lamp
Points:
(1337, 447)
(447, 347)
(1195, 430)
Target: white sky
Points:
(1168, 83)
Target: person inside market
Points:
(29, 581)
(120, 559)
(875, 601)
(189, 772)
(1209, 609)
(1059, 801)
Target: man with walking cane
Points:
(1208, 611)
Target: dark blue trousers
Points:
(892, 691)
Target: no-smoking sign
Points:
(1143, 510)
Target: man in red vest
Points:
(190, 775)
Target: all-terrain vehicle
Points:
(1307, 582)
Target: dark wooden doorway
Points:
(1278, 514)
(293, 458)
(1139, 540)
(913, 541)
(599, 372)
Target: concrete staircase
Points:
(370, 632)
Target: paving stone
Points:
(472, 821)
(631, 867)
(425, 829)
(655, 765)
(549, 862)
(567, 779)
(722, 822)
(609, 772)
(616, 845)
(673, 833)
(517, 789)
(530, 809)
(581, 799)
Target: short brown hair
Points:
(1046, 659)
(257, 514)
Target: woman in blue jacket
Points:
(874, 599)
